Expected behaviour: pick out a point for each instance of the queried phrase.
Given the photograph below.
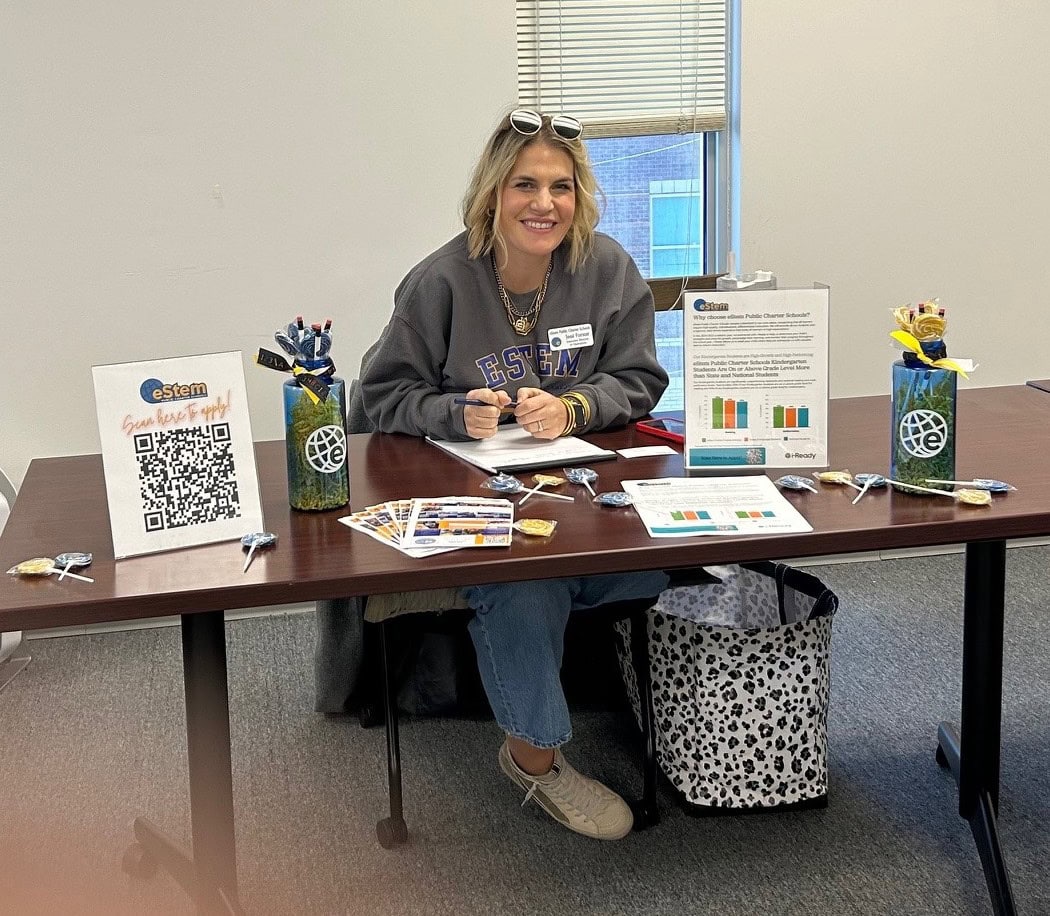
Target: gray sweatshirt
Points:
(450, 333)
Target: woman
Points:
(475, 319)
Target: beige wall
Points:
(180, 180)
(897, 150)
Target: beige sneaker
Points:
(572, 799)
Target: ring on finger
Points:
(539, 426)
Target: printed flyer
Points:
(672, 507)
(756, 378)
(177, 451)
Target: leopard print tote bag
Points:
(741, 681)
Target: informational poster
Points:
(673, 507)
(756, 378)
(177, 451)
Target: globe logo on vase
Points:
(326, 449)
(923, 433)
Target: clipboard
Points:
(512, 450)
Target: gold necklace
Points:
(522, 322)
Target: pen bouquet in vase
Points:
(924, 392)
(314, 417)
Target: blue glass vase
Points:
(315, 441)
(923, 432)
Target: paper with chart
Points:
(756, 378)
(673, 507)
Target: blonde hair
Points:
(497, 159)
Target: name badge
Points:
(571, 337)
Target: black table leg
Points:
(391, 831)
(646, 810)
(209, 873)
(973, 756)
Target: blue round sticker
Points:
(147, 388)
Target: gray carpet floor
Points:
(92, 735)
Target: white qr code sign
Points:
(177, 451)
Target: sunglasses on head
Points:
(528, 122)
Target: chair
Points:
(667, 291)
(346, 628)
(392, 831)
(13, 655)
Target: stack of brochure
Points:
(424, 526)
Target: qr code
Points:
(187, 476)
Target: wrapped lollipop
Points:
(72, 560)
(867, 482)
(794, 482)
(615, 499)
(837, 477)
(965, 496)
(584, 476)
(541, 481)
(979, 483)
(253, 542)
(43, 566)
(537, 527)
(507, 483)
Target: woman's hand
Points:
(541, 414)
(481, 422)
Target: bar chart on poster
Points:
(790, 416)
(728, 413)
(756, 389)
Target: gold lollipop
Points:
(540, 527)
(542, 480)
(928, 327)
(38, 566)
(924, 323)
(43, 566)
(967, 496)
(844, 477)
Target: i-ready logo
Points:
(154, 391)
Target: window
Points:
(675, 228)
(653, 199)
(648, 79)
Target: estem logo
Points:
(154, 391)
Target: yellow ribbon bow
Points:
(910, 342)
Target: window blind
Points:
(625, 67)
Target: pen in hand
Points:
(475, 402)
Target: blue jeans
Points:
(518, 630)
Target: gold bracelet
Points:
(571, 422)
(579, 410)
(584, 403)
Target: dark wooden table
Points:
(1002, 433)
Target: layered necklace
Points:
(522, 322)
